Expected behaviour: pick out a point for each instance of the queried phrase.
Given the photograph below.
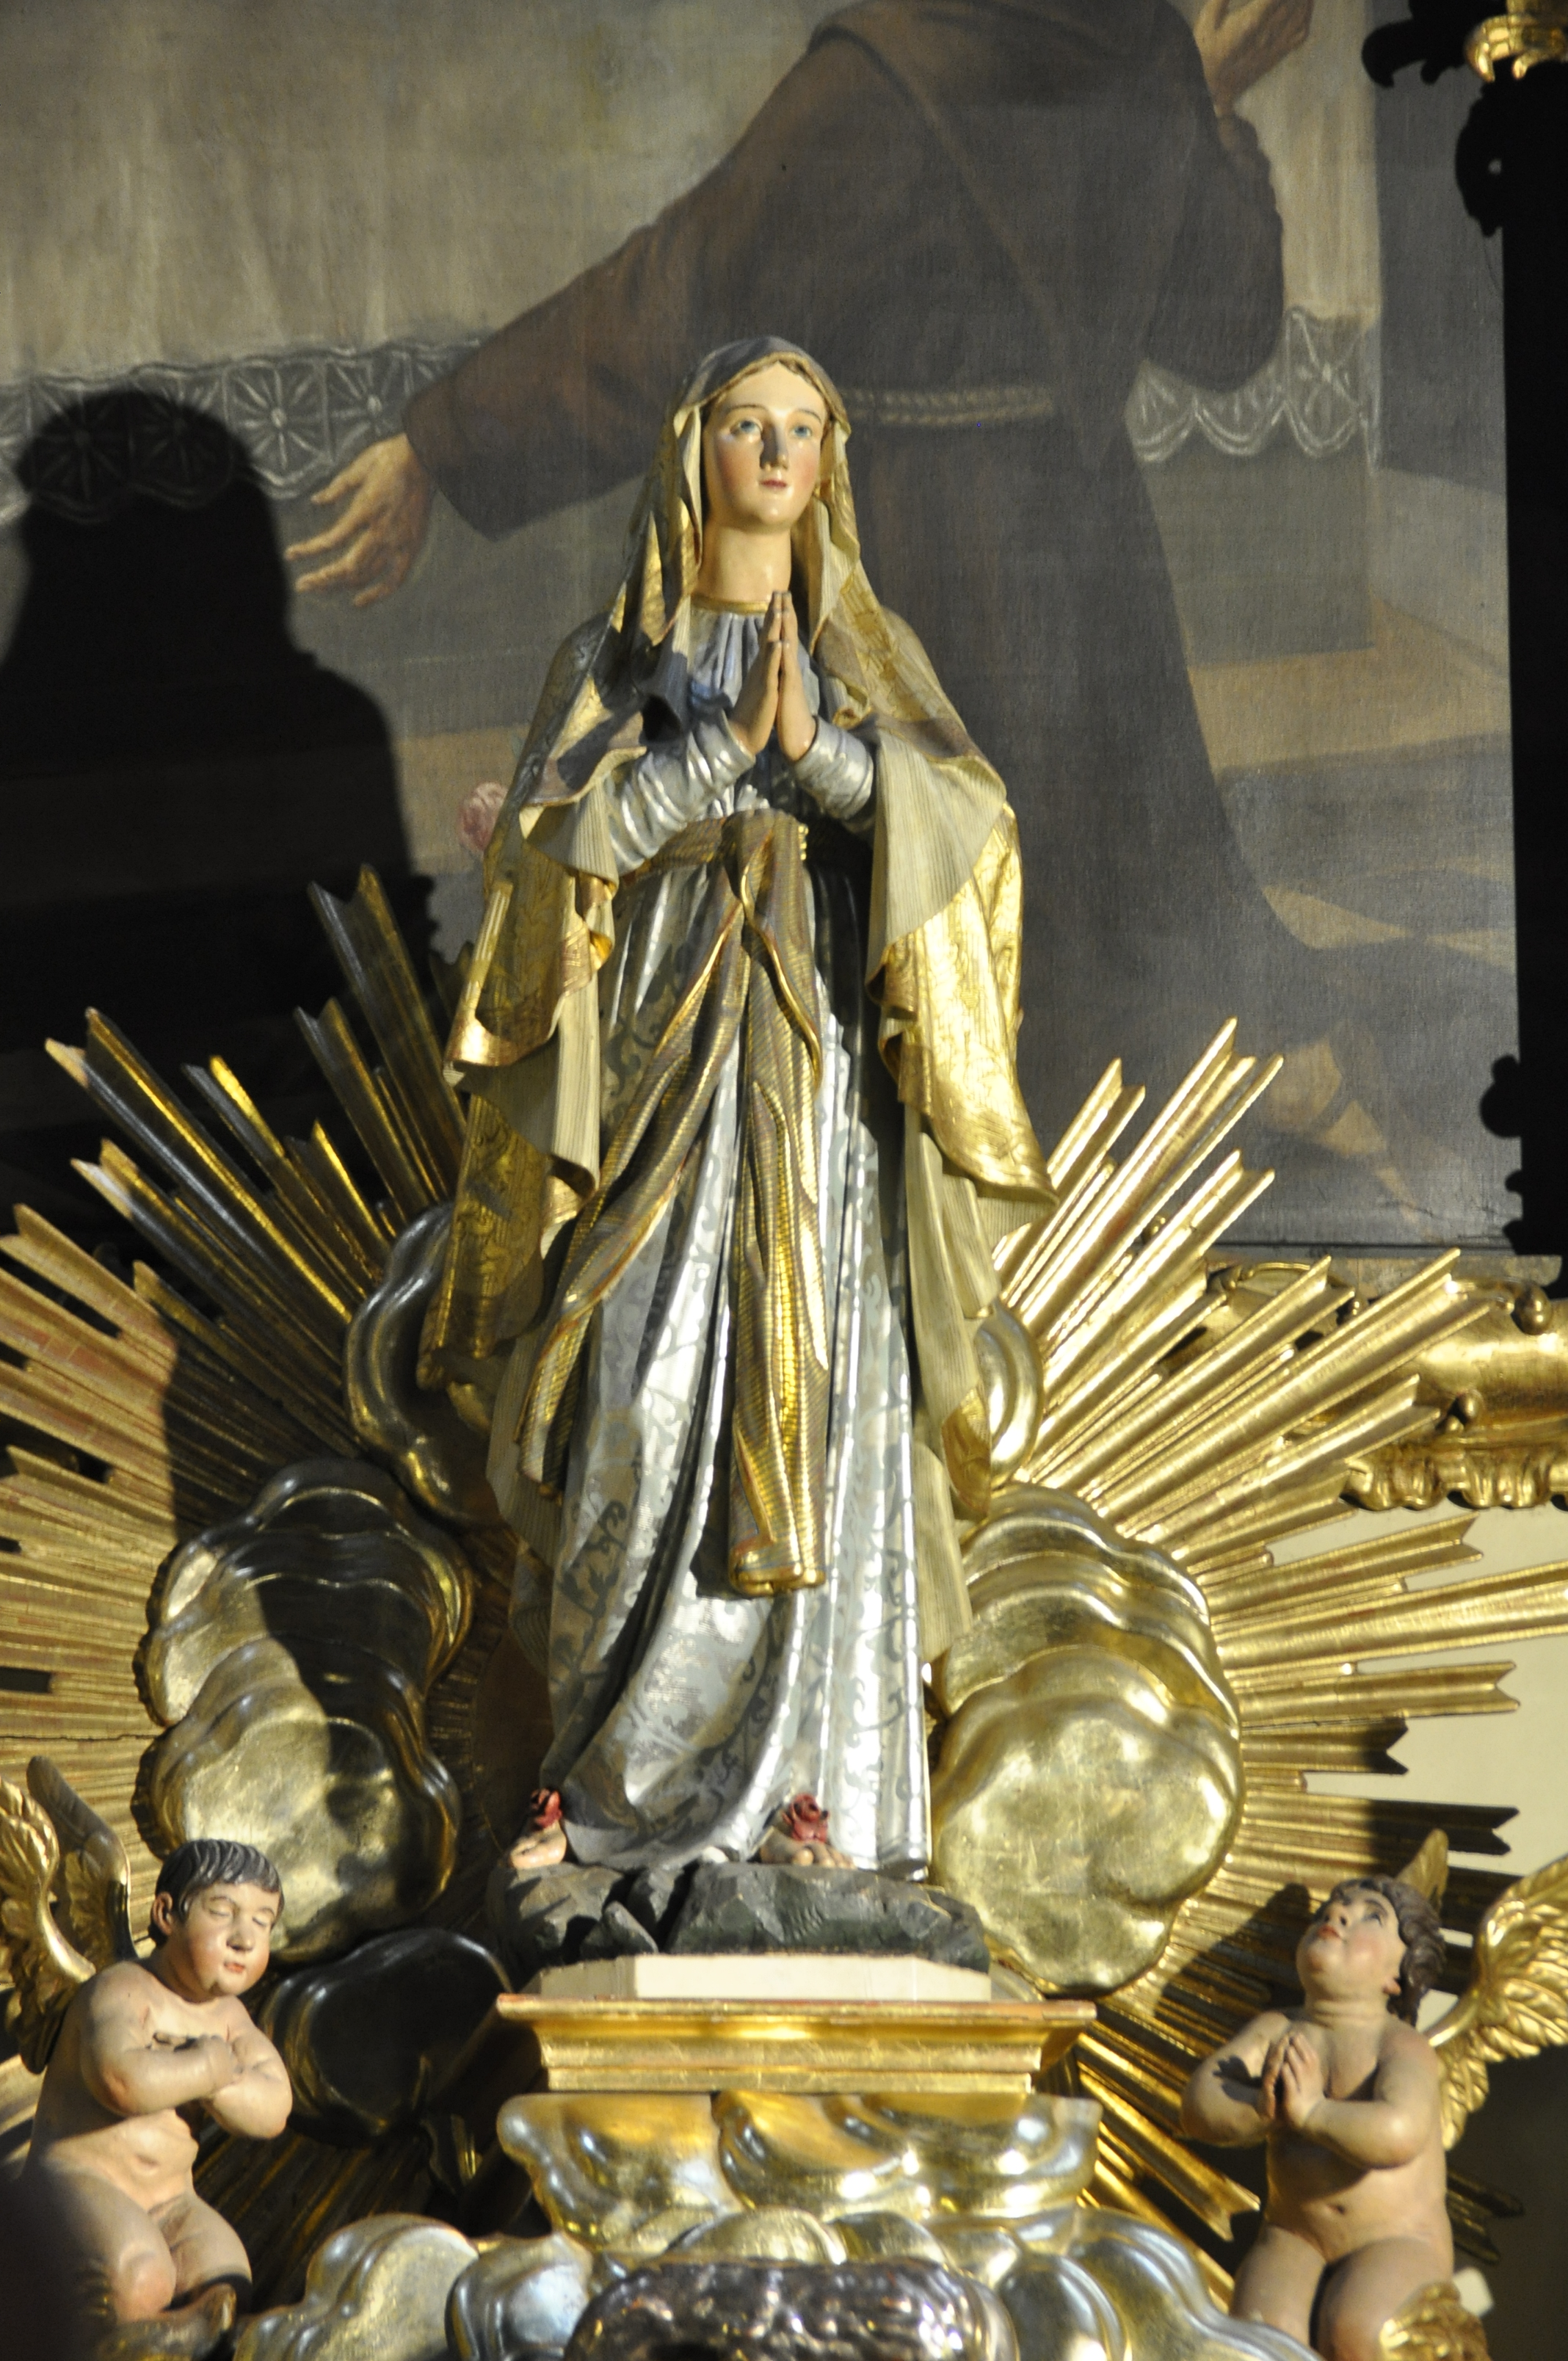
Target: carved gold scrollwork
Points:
(1532, 34)
(1501, 1437)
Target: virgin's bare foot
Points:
(477, 815)
(544, 1840)
(798, 1837)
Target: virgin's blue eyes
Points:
(755, 426)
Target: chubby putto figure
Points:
(139, 2050)
(1347, 2094)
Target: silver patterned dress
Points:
(685, 1712)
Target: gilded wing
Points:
(1427, 1871)
(97, 1874)
(1516, 2000)
(46, 1969)
(1434, 2325)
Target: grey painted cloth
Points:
(685, 1713)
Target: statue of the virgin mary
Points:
(744, 1126)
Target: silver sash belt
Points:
(963, 405)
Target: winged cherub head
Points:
(213, 1915)
(1376, 1925)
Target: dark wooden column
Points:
(1510, 164)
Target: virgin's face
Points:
(761, 450)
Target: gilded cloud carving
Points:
(288, 1656)
(1093, 1745)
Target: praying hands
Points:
(774, 693)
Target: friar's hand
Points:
(756, 708)
(380, 532)
(796, 721)
(1241, 40)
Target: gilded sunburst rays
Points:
(1215, 1413)
(1209, 1412)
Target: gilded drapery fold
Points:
(752, 983)
(524, 1043)
(942, 966)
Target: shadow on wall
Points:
(174, 771)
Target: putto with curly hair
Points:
(1421, 1932)
(205, 1862)
(145, 2049)
(1346, 2090)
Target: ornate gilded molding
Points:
(809, 2229)
(941, 2048)
(1496, 1395)
(1533, 33)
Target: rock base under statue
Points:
(553, 1918)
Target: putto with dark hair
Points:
(1421, 1932)
(192, 1868)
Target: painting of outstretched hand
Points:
(1172, 364)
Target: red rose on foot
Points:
(804, 1818)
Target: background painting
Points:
(253, 232)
